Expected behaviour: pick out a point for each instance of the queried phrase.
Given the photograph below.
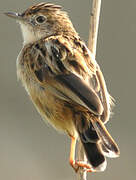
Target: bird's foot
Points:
(81, 164)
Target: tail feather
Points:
(108, 145)
(90, 134)
(106, 152)
(97, 143)
(90, 141)
(94, 156)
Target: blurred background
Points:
(31, 150)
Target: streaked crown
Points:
(41, 7)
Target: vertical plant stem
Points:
(81, 174)
(92, 43)
(94, 24)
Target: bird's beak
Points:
(14, 15)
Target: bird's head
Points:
(43, 20)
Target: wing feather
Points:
(87, 95)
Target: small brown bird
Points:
(65, 82)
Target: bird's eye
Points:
(40, 19)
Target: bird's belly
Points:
(53, 110)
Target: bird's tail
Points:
(98, 144)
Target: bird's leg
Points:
(72, 154)
(76, 164)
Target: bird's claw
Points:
(81, 164)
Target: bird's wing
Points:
(74, 74)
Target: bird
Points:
(65, 83)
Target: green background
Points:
(31, 150)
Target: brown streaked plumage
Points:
(65, 82)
